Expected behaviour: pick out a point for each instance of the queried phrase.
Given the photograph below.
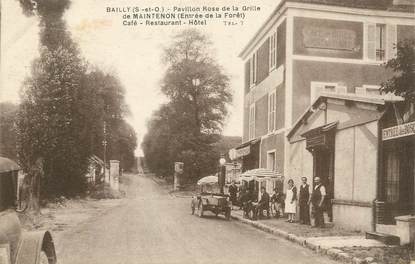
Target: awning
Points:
(261, 174)
(7, 165)
(320, 136)
(212, 179)
(243, 149)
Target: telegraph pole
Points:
(104, 143)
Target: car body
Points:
(216, 203)
(17, 246)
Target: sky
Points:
(132, 52)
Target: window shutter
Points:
(263, 62)
(391, 40)
(371, 41)
(247, 76)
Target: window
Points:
(392, 176)
(273, 51)
(252, 121)
(253, 69)
(380, 42)
(271, 112)
(271, 164)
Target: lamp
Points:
(222, 172)
(222, 161)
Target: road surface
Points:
(151, 226)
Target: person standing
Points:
(233, 190)
(304, 202)
(317, 199)
(291, 201)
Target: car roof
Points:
(7, 165)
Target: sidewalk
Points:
(343, 245)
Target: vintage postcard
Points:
(241, 131)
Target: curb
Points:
(333, 253)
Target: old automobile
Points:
(210, 199)
(17, 246)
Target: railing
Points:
(380, 54)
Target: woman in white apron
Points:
(291, 201)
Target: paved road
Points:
(153, 227)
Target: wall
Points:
(355, 176)
(352, 217)
(273, 142)
(328, 38)
(280, 107)
(300, 163)
(356, 163)
(245, 129)
(261, 116)
(352, 75)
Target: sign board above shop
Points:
(398, 131)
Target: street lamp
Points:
(221, 178)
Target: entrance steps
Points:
(384, 238)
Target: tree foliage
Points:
(403, 81)
(8, 114)
(185, 128)
(64, 104)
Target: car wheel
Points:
(200, 210)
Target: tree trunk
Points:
(35, 174)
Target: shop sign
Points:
(243, 151)
(398, 131)
(329, 38)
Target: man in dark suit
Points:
(263, 203)
(304, 202)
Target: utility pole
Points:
(104, 143)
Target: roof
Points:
(96, 159)
(406, 6)
(321, 129)
(347, 97)
(7, 165)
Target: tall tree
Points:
(53, 139)
(198, 93)
(64, 105)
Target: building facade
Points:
(307, 48)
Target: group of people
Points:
(304, 198)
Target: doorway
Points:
(323, 167)
(399, 176)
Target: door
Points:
(399, 176)
(324, 168)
